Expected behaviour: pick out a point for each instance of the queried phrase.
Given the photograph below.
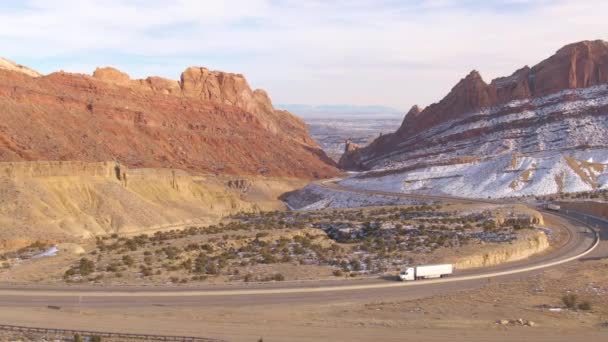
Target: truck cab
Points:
(408, 274)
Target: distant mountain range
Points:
(339, 111)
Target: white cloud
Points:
(360, 51)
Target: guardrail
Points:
(88, 333)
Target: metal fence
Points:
(87, 333)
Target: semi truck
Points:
(426, 272)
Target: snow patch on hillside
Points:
(457, 138)
(506, 175)
(315, 197)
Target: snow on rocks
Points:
(315, 197)
(542, 173)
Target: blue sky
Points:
(378, 52)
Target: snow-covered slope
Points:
(314, 197)
(536, 146)
(510, 174)
(541, 130)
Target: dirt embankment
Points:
(62, 201)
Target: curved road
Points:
(582, 242)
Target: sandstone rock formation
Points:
(209, 121)
(550, 119)
(6, 64)
(528, 243)
(350, 150)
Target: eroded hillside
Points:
(66, 201)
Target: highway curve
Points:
(582, 242)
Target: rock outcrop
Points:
(350, 157)
(552, 119)
(209, 121)
(528, 243)
(6, 64)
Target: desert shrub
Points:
(112, 267)
(298, 249)
(128, 260)
(569, 300)
(187, 265)
(355, 265)
(86, 267)
(338, 273)
(585, 305)
(171, 252)
(145, 271)
(203, 264)
(268, 257)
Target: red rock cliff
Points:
(209, 121)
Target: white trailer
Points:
(426, 272)
(553, 207)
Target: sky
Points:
(358, 52)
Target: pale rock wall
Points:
(10, 65)
(529, 242)
(57, 168)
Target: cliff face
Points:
(534, 132)
(208, 121)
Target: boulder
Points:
(112, 75)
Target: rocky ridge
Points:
(208, 121)
(541, 130)
(6, 64)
